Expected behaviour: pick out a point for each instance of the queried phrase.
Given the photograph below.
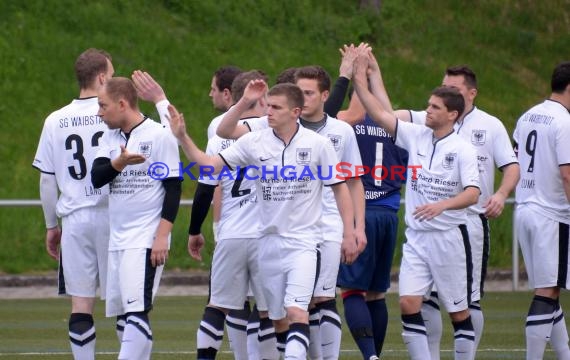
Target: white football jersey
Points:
(213, 127)
(448, 166)
(136, 198)
(257, 124)
(491, 140)
(342, 138)
(289, 179)
(67, 147)
(239, 215)
(543, 138)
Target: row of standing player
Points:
(81, 326)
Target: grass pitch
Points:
(37, 329)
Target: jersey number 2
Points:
(236, 192)
(78, 154)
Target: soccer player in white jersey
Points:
(221, 93)
(494, 150)
(437, 249)
(243, 338)
(234, 266)
(323, 316)
(66, 149)
(542, 218)
(291, 164)
(139, 159)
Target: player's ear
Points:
(325, 95)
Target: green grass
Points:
(513, 46)
(37, 329)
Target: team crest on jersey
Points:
(303, 156)
(336, 141)
(145, 148)
(478, 137)
(449, 161)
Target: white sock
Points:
(478, 321)
(137, 338)
(414, 336)
(331, 332)
(210, 333)
(252, 335)
(267, 340)
(539, 324)
(237, 335)
(120, 326)
(315, 351)
(464, 339)
(297, 341)
(433, 324)
(559, 336)
(82, 336)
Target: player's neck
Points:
(287, 132)
(564, 100)
(87, 93)
(318, 116)
(133, 120)
(442, 132)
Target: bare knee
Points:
(459, 315)
(297, 315)
(81, 304)
(410, 304)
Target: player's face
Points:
(437, 114)
(279, 113)
(109, 110)
(314, 99)
(458, 82)
(217, 96)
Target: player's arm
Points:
(340, 88)
(354, 113)
(229, 128)
(193, 153)
(377, 87)
(403, 115)
(349, 248)
(202, 199)
(356, 189)
(48, 197)
(104, 170)
(496, 203)
(372, 105)
(467, 197)
(565, 173)
(170, 205)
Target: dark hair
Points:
(463, 70)
(122, 88)
(560, 77)
(286, 76)
(315, 73)
(224, 77)
(292, 92)
(89, 65)
(241, 81)
(452, 99)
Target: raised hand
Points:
(348, 55)
(255, 90)
(177, 124)
(147, 88)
